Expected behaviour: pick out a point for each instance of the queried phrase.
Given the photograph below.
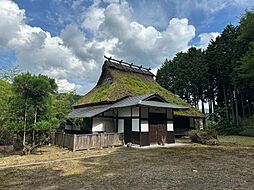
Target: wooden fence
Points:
(88, 141)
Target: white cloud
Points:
(93, 17)
(65, 86)
(74, 57)
(140, 44)
(208, 6)
(205, 38)
(39, 52)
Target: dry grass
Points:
(47, 153)
(190, 167)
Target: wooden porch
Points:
(88, 141)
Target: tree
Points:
(62, 104)
(30, 108)
(223, 74)
(186, 76)
(5, 94)
(247, 27)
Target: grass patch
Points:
(47, 153)
(236, 140)
(229, 141)
(189, 167)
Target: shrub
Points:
(247, 126)
(6, 137)
(208, 137)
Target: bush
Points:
(247, 126)
(208, 137)
(224, 128)
(6, 137)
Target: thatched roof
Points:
(119, 80)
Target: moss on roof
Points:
(128, 84)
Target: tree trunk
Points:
(210, 106)
(232, 105)
(213, 101)
(203, 107)
(226, 101)
(242, 104)
(196, 102)
(35, 120)
(236, 106)
(249, 109)
(24, 132)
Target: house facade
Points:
(144, 120)
(128, 100)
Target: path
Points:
(45, 162)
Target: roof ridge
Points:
(121, 62)
(127, 67)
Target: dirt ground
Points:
(228, 166)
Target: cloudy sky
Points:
(66, 39)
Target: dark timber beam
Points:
(126, 63)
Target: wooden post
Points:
(74, 143)
(63, 139)
(100, 140)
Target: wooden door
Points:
(157, 128)
(162, 133)
(127, 130)
(153, 133)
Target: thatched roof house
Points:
(120, 80)
(128, 100)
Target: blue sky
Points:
(67, 39)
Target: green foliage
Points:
(6, 136)
(223, 75)
(29, 111)
(247, 126)
(219, 124)
(208, 137)
(247, 27)
(61, 105)
(245, 71)
(185, 75)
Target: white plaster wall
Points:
(120, 126)
(103, 125)
(135, 111)
(169, 114)
(135, 125)
(124, 112)
(170, 126)
(144, 126)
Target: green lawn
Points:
(236, 141)
(228, 166)
(231, 140)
